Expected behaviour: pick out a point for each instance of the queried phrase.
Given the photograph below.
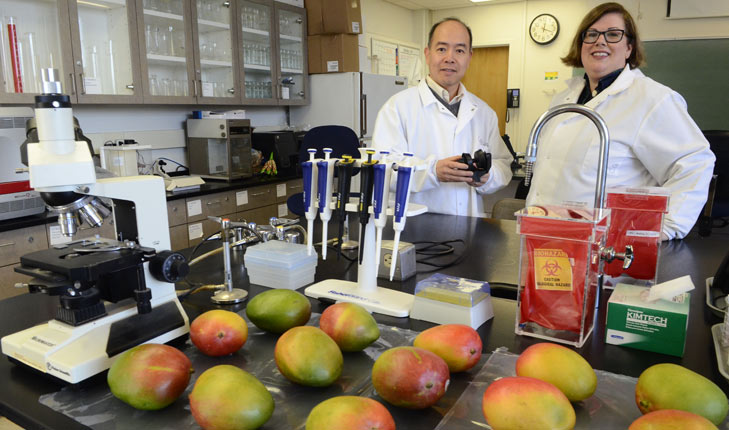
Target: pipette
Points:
(365, 198)
(344, 175)
(325, 170)
(309, 173)
(380, 196)
(402, 196)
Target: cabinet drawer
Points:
(8, 279)
(176, 214)
(178, 237)
(18, 242)
(218, 204)
(259, 215)
(255, 197)
(292, 187)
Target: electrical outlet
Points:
(387, 260)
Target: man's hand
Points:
(451, 170)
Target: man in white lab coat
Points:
(438, 121)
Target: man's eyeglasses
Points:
(611, 36)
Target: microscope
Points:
(114, 294)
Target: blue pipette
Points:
(380, 200)
(325, 173)
(402, 196)
(309, 173)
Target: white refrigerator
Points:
(351, 99)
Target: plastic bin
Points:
(278, 264)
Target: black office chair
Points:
(716, 210)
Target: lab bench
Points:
(491, 252)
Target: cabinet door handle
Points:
(226, 4)
(130, 86)
(73, 84)
(299, 20)
(295, 187)
(194, 86)
(231, 90)
(83, 84)
(2, 245)
(260, 194)
(216, 202)
(301, 94)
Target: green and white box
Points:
(658, 326)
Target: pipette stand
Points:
(365, 291)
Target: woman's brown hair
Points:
(574, 56)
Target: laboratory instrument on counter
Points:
(366, 185)
(380, 200)
(227, 293)
(310, 175)
(325, 170)
(114, 294)
(17, 198)
(344, 181)
(402, 197)
(220, 148)
(563, 252)
(121, 160)
(365, 291)
(479, 164)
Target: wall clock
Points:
(544, 29)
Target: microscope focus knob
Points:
(168, 266)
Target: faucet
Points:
(531, 150)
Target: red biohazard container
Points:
(558, 277)
(636, 219)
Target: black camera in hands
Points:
(479, 164)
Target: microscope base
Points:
(74, 354)
(381, 300)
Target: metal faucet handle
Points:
(608, 254)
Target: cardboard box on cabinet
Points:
(333, 53)
(334, 17)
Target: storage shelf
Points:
(165, 59)
(102, 4)
(205, 26)
(263, 33)
(257, 67)
(165, 15)
(216, 63)
(290, 38)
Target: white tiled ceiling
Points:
(442, 4)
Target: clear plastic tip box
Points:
(279, 264)
(636, 219)
(558, 275)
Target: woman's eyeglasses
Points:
(611, 36)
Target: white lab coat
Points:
(414, 121)
(653, 142)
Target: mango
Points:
(350, 413)
(458, 344)
(149, 376)
(227, 397)
(219, 332)
(308, 356)
(671, 419)
(521, 403)
(278, 310)
(670, 386)
(410, 377)
(560, 366)
(350, 325)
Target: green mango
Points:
(278, 310)
(670, 386)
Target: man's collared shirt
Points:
(443, 93)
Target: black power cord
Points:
(430, 250)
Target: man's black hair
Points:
(451, 18)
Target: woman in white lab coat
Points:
(653, 140)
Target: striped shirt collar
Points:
(443, 93)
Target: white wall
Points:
(506, 24)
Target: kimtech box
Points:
(658, 326)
